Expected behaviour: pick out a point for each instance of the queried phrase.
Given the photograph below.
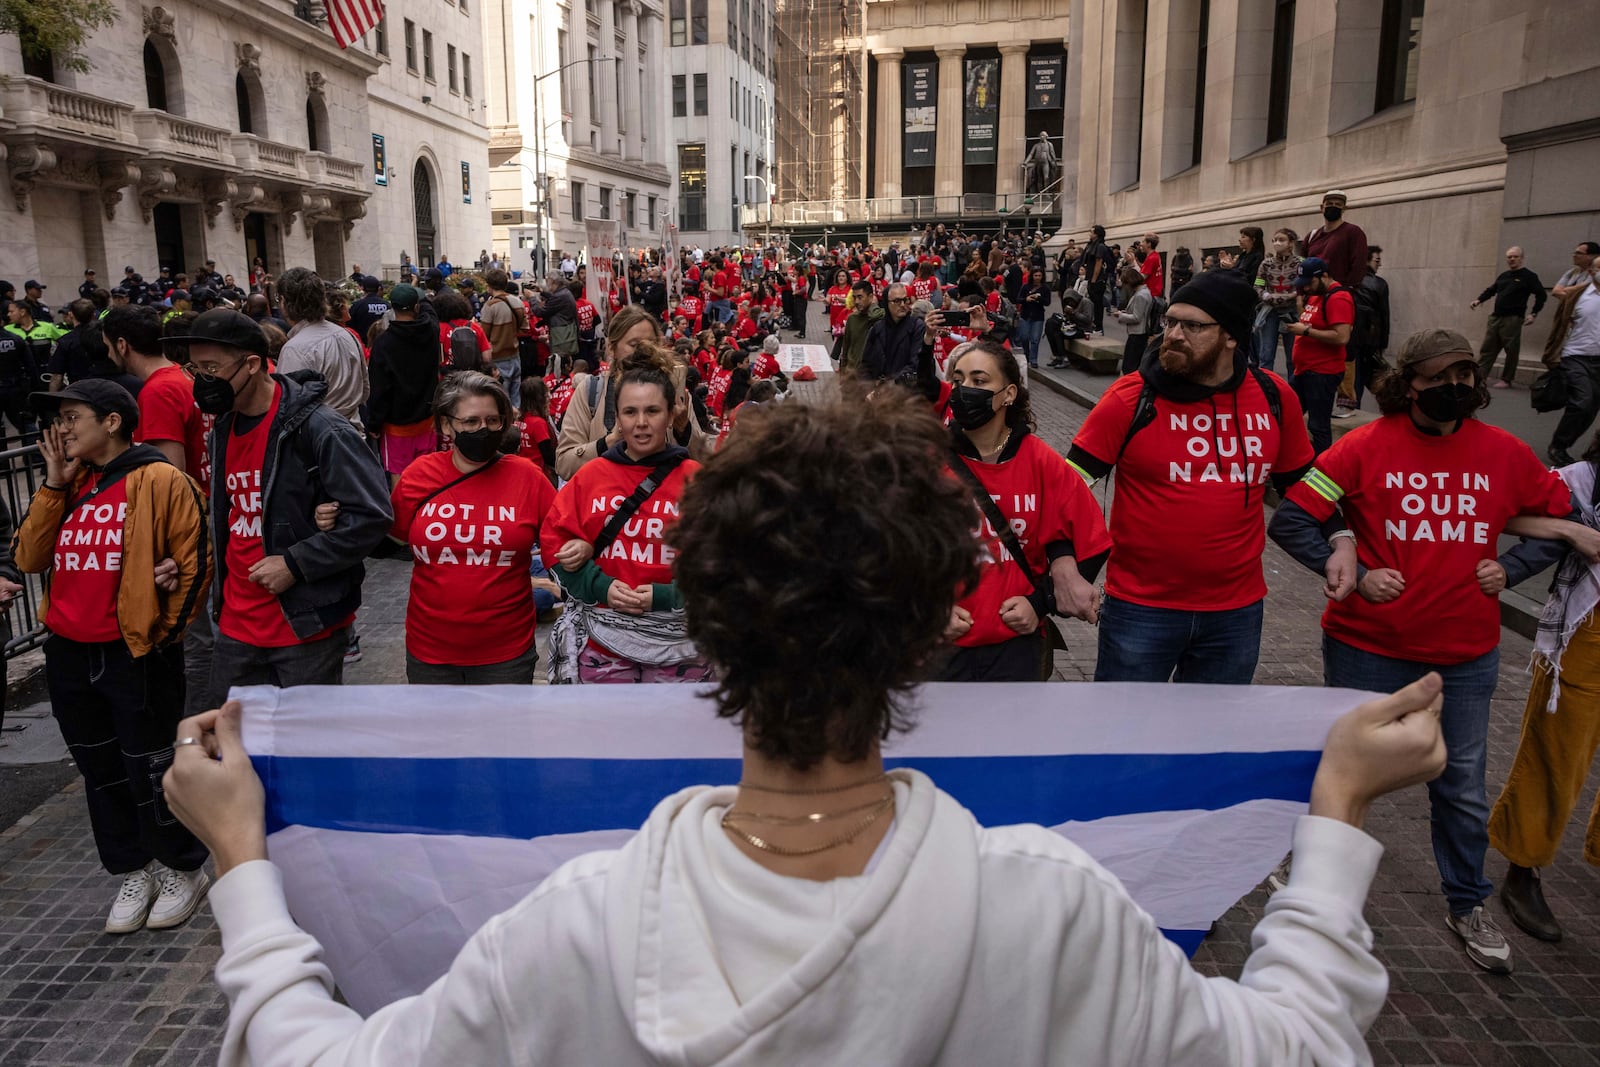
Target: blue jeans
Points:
(543, 600)
(1143, 644)
(1317, 392)
(1266, 346)
(721, 311)
(1028, 334)
(1460, 808)
(511, 377)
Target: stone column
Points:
(1013, 118)
(632, 112)
(947, 179)
(605, 77)
(658, 87)
(577, 76)
(891, 121)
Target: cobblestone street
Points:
(70, 994)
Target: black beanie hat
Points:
(1226, 297)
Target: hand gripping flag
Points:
(404, 817)
(349, 19)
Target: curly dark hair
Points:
(1019, 413)
(1392, 391)
(854, 508)
(451, 306)
(305, 299)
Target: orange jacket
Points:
(165, 519)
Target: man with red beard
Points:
(1195, 437)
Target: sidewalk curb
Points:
(1517, 613)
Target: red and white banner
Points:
(349, 19)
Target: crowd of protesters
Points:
(218, 463)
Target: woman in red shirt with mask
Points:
(839, 302)
(1047, 513)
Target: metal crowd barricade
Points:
(23, 474)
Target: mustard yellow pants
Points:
(1553, 759)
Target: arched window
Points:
(422, 204)
(317, 136)
(241, 92)
(155, 77)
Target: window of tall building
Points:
(630, 209)
(576, 189)
(699, 30)
(680, 96)
(561, 61)
(1282, 65)
(380, 37)
(652, 210)
(733, 98)
(466, 74)
(605, 203)
(1400, 37)
(679, 24)
(700, 94)
(411, 46)
(451, 69)
(1127, 95)
(1200, 83)
(427, 54)
(594, 95)
(691, 186)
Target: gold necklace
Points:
(814, 792)
(754, 841)
(804, 820)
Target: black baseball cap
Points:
(31, 284)
(102, 394)
(224, 326)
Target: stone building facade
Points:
(577, 120)
(1455, 130)
(721, 101)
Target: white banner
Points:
(792, 357)
(602, 256)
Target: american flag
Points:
(352, 18)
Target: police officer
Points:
(89, 285)
(21, 371)
(33, 296)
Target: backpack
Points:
(1157, 312)
(464, 351)
(1144, 410)
(1004, 318)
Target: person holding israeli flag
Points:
(823, 911)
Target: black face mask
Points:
(212, 395)
(971, 406)
(1448, 403)
(478, 446)
(1333, 214)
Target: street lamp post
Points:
(538, 144)
(766, 192)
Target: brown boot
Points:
(1524, 901)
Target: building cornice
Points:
(274, 20)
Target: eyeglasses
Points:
(899, 300)
(1190, 327)
(472, 425)
(69, 421)
(212, 370)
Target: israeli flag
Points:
(404, 817)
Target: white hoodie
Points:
(960, 946)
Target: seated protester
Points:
(679, 328)
(460, 336)
(1428, 579)
(1036, 520)
(764, 364)
(108, 513)
(721, 380)
(497, 648)
(759, 393)
(535, 437)
(560, 392)
(606, 543)
(590, 426)
(732, 893)
(745, 328)
(691, 307)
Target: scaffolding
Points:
(820, 91)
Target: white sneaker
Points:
(1342, 413)
(133, 902)
(1486, 945)
(181, 893)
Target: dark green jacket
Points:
(855, 336)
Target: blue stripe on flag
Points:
(526, 798)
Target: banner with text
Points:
(380, 161)
(1044, 83)
(921, 113)
(982, 110)
(602, 250)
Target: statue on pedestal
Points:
(1041, 166)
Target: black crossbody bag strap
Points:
(447, 486)
(635, 501)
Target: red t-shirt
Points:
(446, 328)
(690, 308)
(640, 554)
(1045, 502)
(87, 568)
(1431, 508)
(560, 394)
(763, 365)
(1187, 527)
(1151, 269)
(922, 289)
(717, 390)
(587, 316)
(470, 602)
(167, 412)
(745, 328)
(837, 312)
(1324, 313)
(249, 613)
(532, 432)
